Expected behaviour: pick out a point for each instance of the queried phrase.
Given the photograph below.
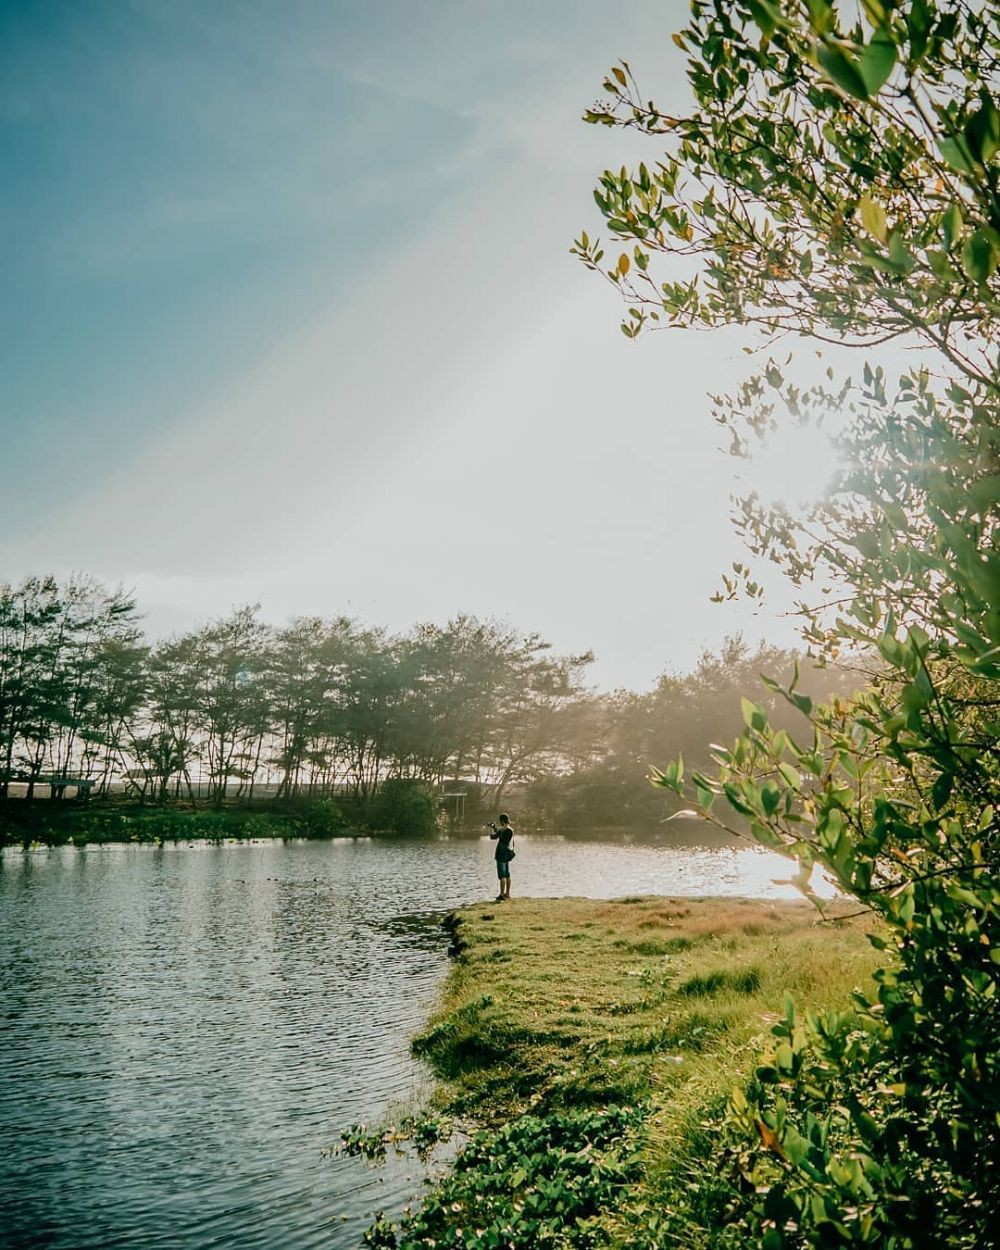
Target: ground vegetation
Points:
(589, 1049)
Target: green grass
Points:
(558, 1008)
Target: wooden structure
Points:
(58, 783)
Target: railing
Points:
(57, 782)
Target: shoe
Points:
(500, 898)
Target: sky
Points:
(290, 319)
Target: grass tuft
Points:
(743, 981)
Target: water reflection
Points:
(186, 1028)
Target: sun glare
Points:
(794, 467)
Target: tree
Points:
(230, 712)
(165, 747)
(404, 805)
(307, 664)
(27, 616)
(119, 695)
(454, 673)
(618, 737)
(840, 181)
(371, 695)
(61, 652)
(485, 702)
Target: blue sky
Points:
(182, 180)
(290, 319)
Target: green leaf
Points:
(985, 494)
(919, 23)
(951, 224)
(770, 797)
(796, 1146)
(956, 152)
(767, 16)
(821, 16)
(843, 70)
(904, 905)
(735, 800)
(753, 714)
(875, 12)
(914, 698)
(961, 895)
(980, 254)
(670, 777)
(899, 254)
(982, 131)
(791, 776)
(877, 61)
(942, 789)
(873, 217)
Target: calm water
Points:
(184, 1030)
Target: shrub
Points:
(403, 806)
(322, 819)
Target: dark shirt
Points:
(504, 836)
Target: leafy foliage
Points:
(323, 818)
(536, 1182)
(839, 182)
(842, 182)
(404, 806)
(70, 665)
(424, 1132)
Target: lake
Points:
(186, 1029)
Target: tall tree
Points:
(58, 645)
(232, 707)
(28, 614)
(371, 695)
(307, 666)
(838, 178)
(164, 743)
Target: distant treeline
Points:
(239, 708)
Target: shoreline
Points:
(593, 1046)
(54, 824)
(47, 823)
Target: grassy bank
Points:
(595, 1045)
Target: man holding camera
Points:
(503, 835)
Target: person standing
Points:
(503, 835)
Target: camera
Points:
(489, 825)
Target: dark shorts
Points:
(503, 869)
